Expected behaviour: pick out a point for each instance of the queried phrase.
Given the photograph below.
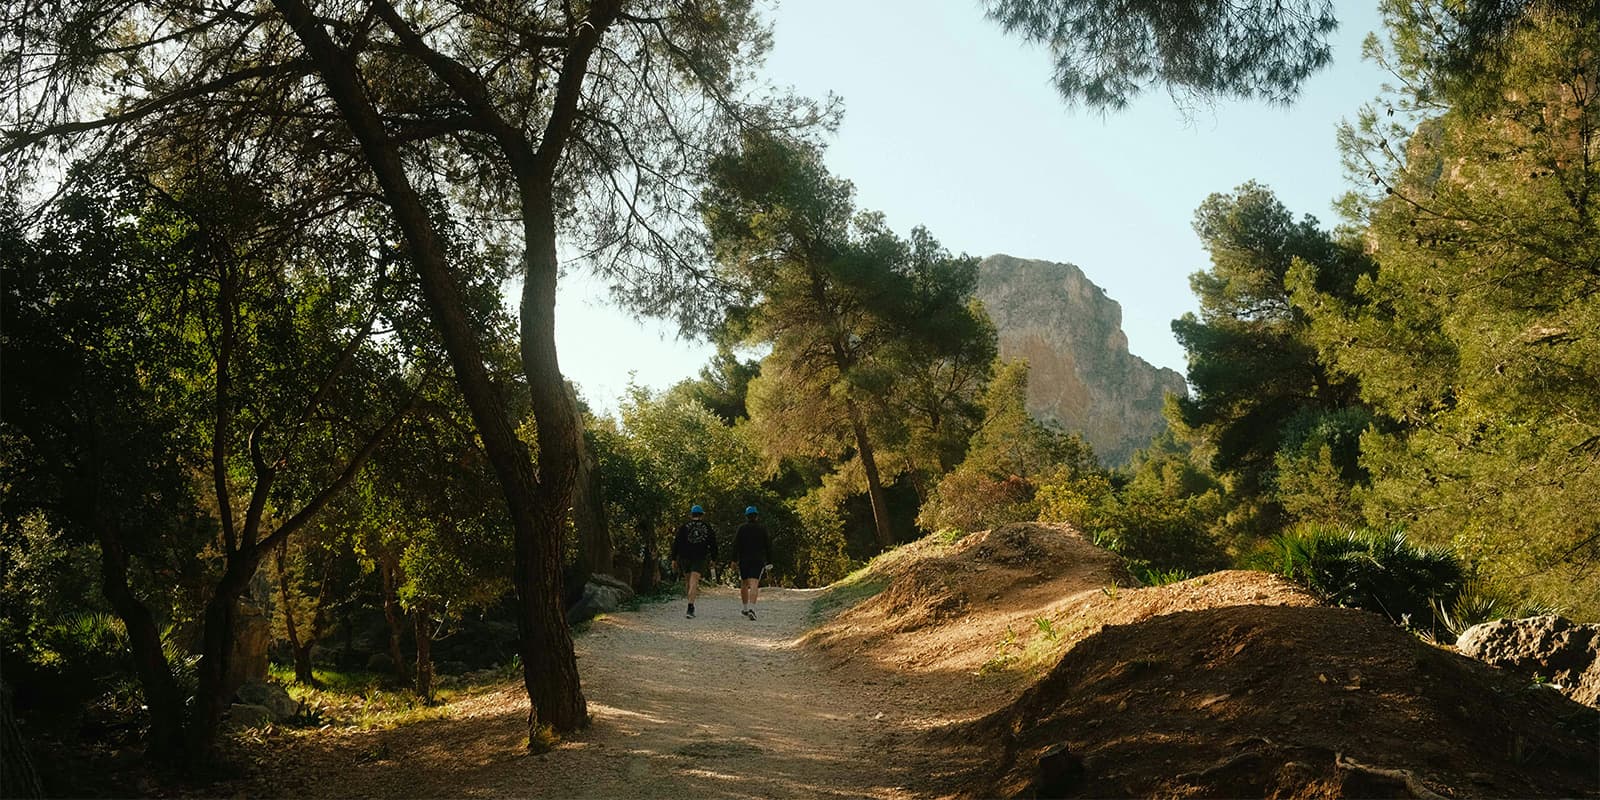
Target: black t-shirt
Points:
(751, 543)
(695, 541)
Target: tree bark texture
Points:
(161, 694)
(422, 627)
(390, 573)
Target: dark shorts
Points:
(689, 565)
(751, 569)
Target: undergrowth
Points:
(846, 592)
(368, 700)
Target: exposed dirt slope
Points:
(1235, 684)
(975, 659)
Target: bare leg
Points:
(751, 588)
(744, 593)
(694, 586)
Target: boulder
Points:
(245, 715)
(270, 696)
(603, 594)
(1553, 648)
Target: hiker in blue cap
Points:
(750, 547)
(693, 550)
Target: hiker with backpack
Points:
(693, 550)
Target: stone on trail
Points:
(246, 715)
(280, 706)
(603, 594)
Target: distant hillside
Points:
(1082, 377)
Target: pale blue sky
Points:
(953, 125)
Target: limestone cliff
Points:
(1081, 376)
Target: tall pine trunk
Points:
(550, 666)
(869, 464)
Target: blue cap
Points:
(750, 510)
(696, 510)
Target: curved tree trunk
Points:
(161, 692)
(550, 666)
(214, 695)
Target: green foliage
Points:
(1158, 577)
(820, 557)
(1264, 403)
(1006, 653)
(1161, 517)
(852, 589)
(1476, 341)
(1107, 53)
(1010, 456)
(1480, 601)
(1046, 628)
(1378, 570)
(365, 700)
(877, 351)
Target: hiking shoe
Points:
(751, 613)
(690, 614)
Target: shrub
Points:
(1379, 571)
(971, 501)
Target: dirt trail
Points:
(717, 706)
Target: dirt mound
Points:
(942, 605)
(1287, 701)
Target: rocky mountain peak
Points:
(1081, 376)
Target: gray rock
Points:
(270, 696)
(1553, 648)
(618, 584)
(1081, 376)
(601, 595)
(246, 715)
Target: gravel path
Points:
(713, 707)
(716, 706)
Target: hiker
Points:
(750, 547)
(692, 551)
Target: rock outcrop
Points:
(602, 594)
(1081, 376)
(1548, 648)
